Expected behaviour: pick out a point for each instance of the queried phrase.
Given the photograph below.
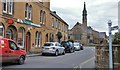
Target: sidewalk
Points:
(32, 55)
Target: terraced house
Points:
(29, 24)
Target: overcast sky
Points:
(99, 12)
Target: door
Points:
(13, 54)
(28, 41)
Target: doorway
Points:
(28, 41)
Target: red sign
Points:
(10, 21)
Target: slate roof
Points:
(53, 13)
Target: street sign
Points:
(114, 28)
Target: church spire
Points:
(84, 7)
(84, 19)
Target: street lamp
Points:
(110, 45)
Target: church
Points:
(85, 34)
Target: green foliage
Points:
(59, 35)
(71, 41)
(116, 38)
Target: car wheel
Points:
(71, 50)
(56, 53)
(21, 60)
(43, 54)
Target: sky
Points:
(99, 12)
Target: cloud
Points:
(99, 12)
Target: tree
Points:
(116, 38)
(59, 36)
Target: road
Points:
(79, 59)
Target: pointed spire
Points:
(84, 7)
(84, 19)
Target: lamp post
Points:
(110, 45)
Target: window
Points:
(37, 41)
(44, 17)
(21, 40)
(59, 25)
(56, 23)
(26, 11)
(52, 21)
(41, 16)
(1, 30)
(13, 46)
(10, 7)
(30, 13)
(5, 6)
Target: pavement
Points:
(32, 55)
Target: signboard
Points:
(28, 23)
(114, 28)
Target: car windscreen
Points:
(48, 44)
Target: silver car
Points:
(53, 48)
(77, 46)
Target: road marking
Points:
(83, 63)
(75, 68)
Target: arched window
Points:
(44, 17)
(9, 34)
(30, 13)
(41, 16)
(53, 22)
(21, 37)
(1, 30)
(37, 40)
(26, 11)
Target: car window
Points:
(12, 45)
(56, 44)
(48, 44)
(76, 44)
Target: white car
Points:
(53, 48)
(77, 46)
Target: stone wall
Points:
(102, 57)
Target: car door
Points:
(12, 50)
(60, 47)
(4, 55)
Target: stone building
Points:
(27, 23)
(86, 34)
(79, 32)
(58, 25)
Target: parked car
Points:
(81, 47)
(10, 51)
(69, 46)
(77, 46)
(53, 48)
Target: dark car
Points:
(69, 46)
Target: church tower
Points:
(84, 25)
(84, 15)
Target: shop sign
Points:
(10, 21)
(28, 23)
